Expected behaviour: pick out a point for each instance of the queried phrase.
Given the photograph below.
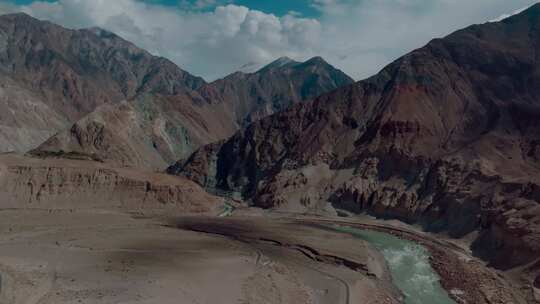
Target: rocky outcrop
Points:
(445, 136)
(77, 184)
(203, 166)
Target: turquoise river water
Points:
(409, 266)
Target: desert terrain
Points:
(91, 256)
(123, 255)
(125, 179)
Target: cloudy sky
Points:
(212, 38)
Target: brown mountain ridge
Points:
(154, 130)
(51, 76)
(275, 87)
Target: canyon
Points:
(445, 137)
(124, 178)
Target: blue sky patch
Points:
(276, 7)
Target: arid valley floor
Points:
(120, 256)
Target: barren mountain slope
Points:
(153, 131)
(71, 72)
(446, 136)
(24, 119)
(150, 131)
(275, 87)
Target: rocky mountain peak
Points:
(250, 67)
(279, 63)
(317, 60)
(275, 87)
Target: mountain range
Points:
(154, 130)
(447, 136)
(91, 92)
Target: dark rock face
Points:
(446, 136)
(275, 87)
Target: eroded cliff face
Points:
(446, 136)
(79, 184)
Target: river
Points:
(409, 265)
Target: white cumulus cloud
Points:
(358, 36)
